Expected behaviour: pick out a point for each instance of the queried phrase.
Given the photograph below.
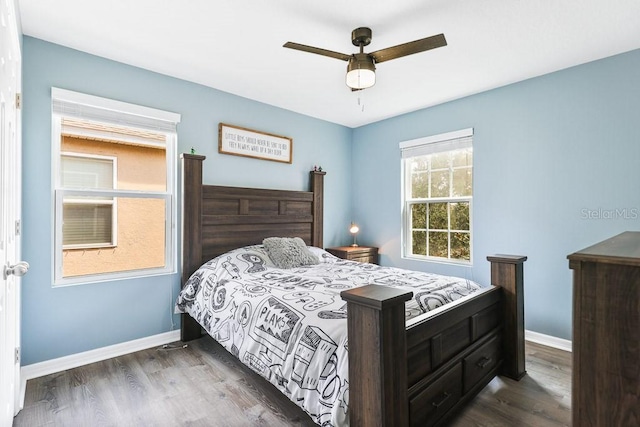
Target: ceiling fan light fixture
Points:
(361, 72)
(361, 68)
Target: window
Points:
(89, 222)
(114, 184)
(437, 197)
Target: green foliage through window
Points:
(440, 187)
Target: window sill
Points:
(111, 277)
(88, 247)
(438, 261)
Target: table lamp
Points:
(353, 229)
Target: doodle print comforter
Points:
(290, 326)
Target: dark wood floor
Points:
(542, 398)
(202, 385)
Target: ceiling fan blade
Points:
(409, 48)
(317, 50)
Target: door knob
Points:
(18, 269)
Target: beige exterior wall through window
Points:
(140, 224)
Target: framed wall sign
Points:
(239, 141)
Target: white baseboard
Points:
(36, 370)
(548, 340)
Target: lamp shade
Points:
(353, 229)
(361, 71)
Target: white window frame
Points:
(76, 105)
(441, 143)
(85, 200)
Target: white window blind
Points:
(87, 224)
(437, 144)
(87, 107)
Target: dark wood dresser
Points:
(606, 333)
(356, 253)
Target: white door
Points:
(10, 202)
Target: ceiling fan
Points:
(361, 66)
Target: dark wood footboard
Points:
(420, 372)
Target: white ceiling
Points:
(236, 45)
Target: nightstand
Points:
(356, 253)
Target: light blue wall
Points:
(61, 321)
(545, 150)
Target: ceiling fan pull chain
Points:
(361, 104)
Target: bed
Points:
(401, 371)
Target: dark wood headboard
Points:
(217, 219)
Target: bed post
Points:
(191, 232)
(378, 391)
(316, 179)
(507, 272)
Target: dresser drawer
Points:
(364, 258)
(428, 406)
(356, 253)
(480, 362)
